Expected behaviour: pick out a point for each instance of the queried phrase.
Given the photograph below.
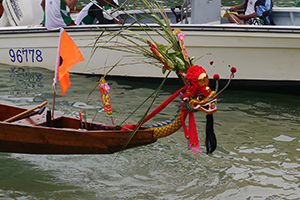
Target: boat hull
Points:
(64, 135)
(258, 54)
(29, 144)
(263, 53)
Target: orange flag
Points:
(68, 55)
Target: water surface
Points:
(257, 155)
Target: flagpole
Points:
(56, 71)
(54, 94)
(68, 54)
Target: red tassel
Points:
(194, 141)
(191, 134)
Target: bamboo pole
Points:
(54, 94)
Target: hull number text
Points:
(25, 55)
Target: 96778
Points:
(25, 55)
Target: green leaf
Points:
(160, 47)
(169, 63)
(181, 62)
(170, 45)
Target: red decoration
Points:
(216, 77)
(129, 126)
(211, 62)
(233, 70)
(159, 56)
(105, 97)
(191, 133)
(192, 76)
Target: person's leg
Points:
(235, 19)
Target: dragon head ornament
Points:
(199, 96)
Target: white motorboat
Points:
(260, 53)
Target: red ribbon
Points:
(164, 104)
(191, 134)
(156, 52)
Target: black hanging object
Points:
(210, 140)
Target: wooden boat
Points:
(35, 132)
(63, 135)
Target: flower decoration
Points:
(233, 70)
(216, 77)
(181, 36)
(105, 87)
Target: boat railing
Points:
(286, 16)
(185, 10)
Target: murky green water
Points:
(257, 155)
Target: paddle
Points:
(25, 112)
(40, 111)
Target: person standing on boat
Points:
(257, 12)
(57, 13)
(92, 13)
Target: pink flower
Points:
(181, 36)
(105, 87)
(216, 77)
